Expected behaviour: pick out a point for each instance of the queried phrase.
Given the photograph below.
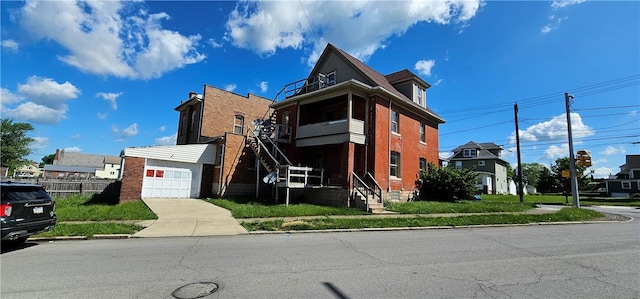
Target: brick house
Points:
(368, 134)
(485, 159)
(210, 157)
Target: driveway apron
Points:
(186, 217)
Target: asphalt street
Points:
(597, 260)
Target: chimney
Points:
(192, 94)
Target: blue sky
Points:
(96, 77)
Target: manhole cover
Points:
(195, 290)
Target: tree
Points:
(510, 174)
(447, 184)
(14, 145)
(546, 181)
(564, 184)
(48, 159)
(531, 173)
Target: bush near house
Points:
(447, 184)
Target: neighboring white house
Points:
(111, 168)
(485, 159)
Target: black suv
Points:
(27, 209)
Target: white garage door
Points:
(170, 179)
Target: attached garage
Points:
(165, 171)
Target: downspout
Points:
(221, 168)
(389, 149)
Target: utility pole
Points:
(520, 193)
(572, 159)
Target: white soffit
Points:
(188, 153)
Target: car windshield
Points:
(24, 194)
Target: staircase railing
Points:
(258, 150)
(359, 186)
(375, 188)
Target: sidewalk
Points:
(188, 218)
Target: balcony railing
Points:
(331, 128)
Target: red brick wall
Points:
(132, 176)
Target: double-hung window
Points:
(395, 121)
(470, 153)
(394, 164)
(423, 164)
(193, 121)
(238, 124)
(422, 135)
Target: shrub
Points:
(635, 195)
(447, 184)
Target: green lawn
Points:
(559, 199)
(240, 209)
(83, 208)
(433, 207)
(90, 229)
(566, 214)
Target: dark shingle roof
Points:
(405, 75)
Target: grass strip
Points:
(90, 229)
(560, 199)
(260, 210)
(432, 207)
(80, 208)
(566, 214)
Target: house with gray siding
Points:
(484, 158)
(627, 181)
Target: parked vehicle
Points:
(26, 209)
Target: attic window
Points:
(470, 153)
(331, 78)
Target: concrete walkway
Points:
(188, 218)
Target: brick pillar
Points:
(132, 176)
(349, 150)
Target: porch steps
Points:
(374, 207)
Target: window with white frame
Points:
(394, 164)
(626, 185)
(419, 98)
(481, 163)
(238, 124)
(458, 165)
(422, 135)
(331, 78)
(395, 121)
(469, 152)
(423, 164)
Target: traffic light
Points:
(583, 158)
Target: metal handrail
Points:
(361, 187)
(262, 145)
(279, 151)
(377, 190)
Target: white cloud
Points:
(565, 3)
(554, 129)
(610, 150)
(44, 100)
(74, 149)
(75, 136)
(39, 144)
(555, 151)
(214, 44)
(438, 82)
(47, 92)
(35, 113)
(102, 116)
(7, 97)
(444, 155)
(110, 97)
(10, 45)
(111, 38)
(166, 140)
(230, 87)
(545, 29)
(424, 66)
(267, 26)
(264, 86)
(602, 172)
(162, 128)
(129, 131)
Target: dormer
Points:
(410, 85)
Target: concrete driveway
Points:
(186, 217)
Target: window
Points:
(626, 185)
(395, 119)
(321, 80)
(183, 125)
(458, 165)
(285, 118)
(470, 153)
(394, 164)
(238, 124)
(481, 163)
(193, 121)
(422, 136)
(419, 98)
(423, 164)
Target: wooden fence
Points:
(64, 188)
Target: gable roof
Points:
(405, 75)
(473, 145)
(484, 151)
(376, 78)
(80, 159)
